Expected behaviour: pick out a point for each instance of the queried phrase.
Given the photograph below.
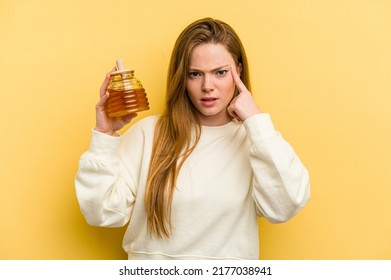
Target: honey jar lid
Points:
(120, 68)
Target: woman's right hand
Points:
(104, 123)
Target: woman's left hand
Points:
(243, 105)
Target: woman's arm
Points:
(105, 193)
(281, 182)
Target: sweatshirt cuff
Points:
(259, 127)
(103, 145)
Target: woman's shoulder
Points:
(147, 121)
(145, 125)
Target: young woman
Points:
(191, 182)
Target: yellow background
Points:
(321, 69)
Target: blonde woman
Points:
(191, 182)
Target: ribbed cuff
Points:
(259, 127)
(103, 145)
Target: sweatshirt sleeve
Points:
(281, 182)
(104, 190)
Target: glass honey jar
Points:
(127, 94)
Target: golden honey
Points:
(127, 94)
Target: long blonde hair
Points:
(178, 129)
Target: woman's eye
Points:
(221, 72)
(194, 74)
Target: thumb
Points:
(232, 112)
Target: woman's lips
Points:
(208, 101)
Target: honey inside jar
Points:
(127, 94)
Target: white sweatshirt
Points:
(236, 173)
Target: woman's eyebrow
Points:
(213, 70)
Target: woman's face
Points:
(210, 84)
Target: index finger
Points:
(238, 82)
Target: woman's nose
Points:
(207, 84)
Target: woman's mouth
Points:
(208, 101)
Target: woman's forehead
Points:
(210, 56)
